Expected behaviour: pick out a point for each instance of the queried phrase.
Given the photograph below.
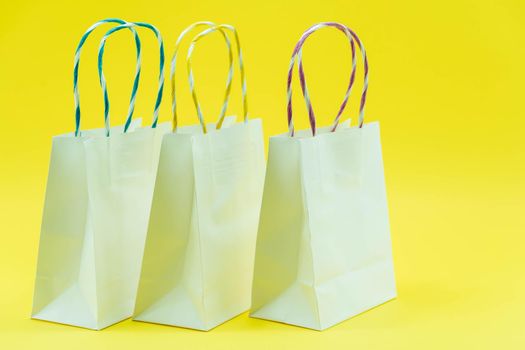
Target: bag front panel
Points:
(348, 218)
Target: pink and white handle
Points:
(297, 54)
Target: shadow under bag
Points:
(323, 247)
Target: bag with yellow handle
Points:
(198, 260)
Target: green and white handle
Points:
(160, 88)
(76, 67)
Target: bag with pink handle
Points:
(323, 247)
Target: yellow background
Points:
(446, 84)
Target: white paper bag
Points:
(198, 260)
(96, 210)
(323, 248)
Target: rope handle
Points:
(192, 81)
(160, 85)
(306, 94)
(213, 27)
(241, 71)
(76, 66)
(103, 84)
(297, 53)
(174, 68)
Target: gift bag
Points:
(198, 260)
(323, 247)
(96, 210)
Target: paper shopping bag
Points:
(95, 216)
(198, 260)
(323, 248)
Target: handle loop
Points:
(103, 79)
(241, 71)
(174, 68)
(77, 64)
(213, 28)
(298, 53)
(160, 88)
(78, 52)
(192, 82)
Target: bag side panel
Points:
(229, 170)
(65, 281)
(283, 278)
(170, 287)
